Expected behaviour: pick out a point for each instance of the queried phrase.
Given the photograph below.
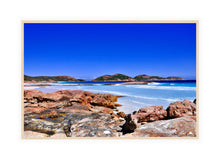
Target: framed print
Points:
(109, 79)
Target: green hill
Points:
(142, 77)
(115, 77)
(145, 77)
(51, 78)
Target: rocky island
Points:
(77, 113)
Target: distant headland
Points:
(142, 77)
(51, 79)
(104, 78)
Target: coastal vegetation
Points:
(52, 79)
(115, 77)
(144, 77)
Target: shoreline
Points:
(190, 80)
(133, 96)
(104, 83)
(47, 114)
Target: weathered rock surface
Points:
(178, 127)
(78, 124)
(37, 101)
(48, 126)
(149, 114)
(181, 109)
(95, 125)
(74, 113)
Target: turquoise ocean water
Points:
(134, 96)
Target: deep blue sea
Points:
(134, 96)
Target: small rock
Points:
(194, 101)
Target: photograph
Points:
(109, 79)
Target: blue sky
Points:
(89, 50)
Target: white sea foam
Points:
(156, 98)
(133, 96)
(30, 88)
(29, 83)
(154, 83)
(61, 84)
(161, 87)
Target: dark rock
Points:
(194, 101)
(129, 126)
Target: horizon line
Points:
(108, 74)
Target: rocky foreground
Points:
(76, 113)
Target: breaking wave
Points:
(161, 87)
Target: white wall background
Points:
(11, 14)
